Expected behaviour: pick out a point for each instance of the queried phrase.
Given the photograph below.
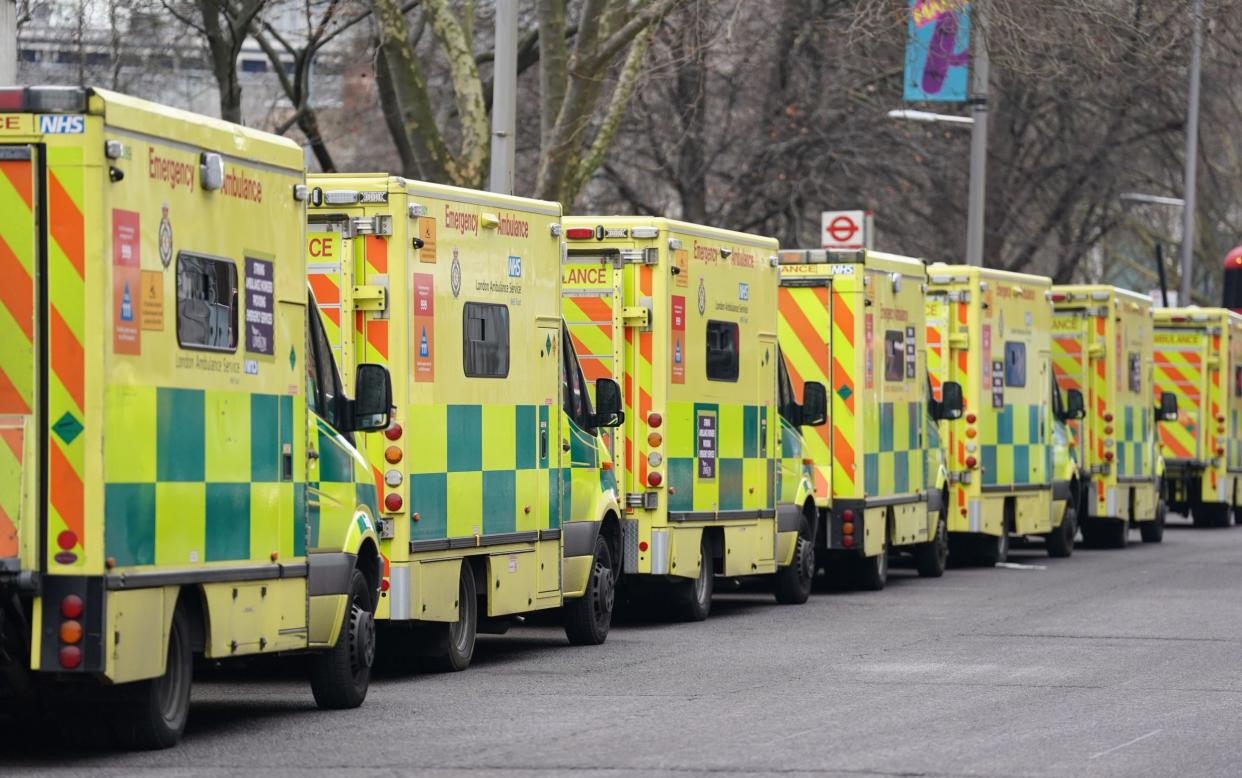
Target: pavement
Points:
(1109, 663)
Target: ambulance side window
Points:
(787, 404)
(1015, 364)
(206, 303)
(324, 390)
(485, 340)
(577, 401)
(722, 348)
(894, 355)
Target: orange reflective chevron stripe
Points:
(17, 290)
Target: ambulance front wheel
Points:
(1060, 542)
(341, 675)
(589, 617)
(932, 557)
(793, 582)
(692, 598)
(152, 714)
(1153, 531)
(871, 572)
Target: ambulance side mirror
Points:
(373, 398)
(1168, 407)
(1075, 407)
(608, 411)
(951, 401)
(814, 404)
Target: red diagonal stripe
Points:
(325, 289)
(841, 377)
(8, 535)
(65, 490)
(66, 224)
(18, 174)
(377, 336)
(13, 438)
(16, 290)
(10, 399)
(843, 317)
(67, 359)
(377, 253)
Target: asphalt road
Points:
(1122, 663)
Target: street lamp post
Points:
(8, 42)
(1192, 154)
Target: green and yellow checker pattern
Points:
(1018, 456)
(793, 472)
(194, 476)
(1134, 445)
(479, 470)
(743, 477)
(894, 463)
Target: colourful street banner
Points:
(938, 51)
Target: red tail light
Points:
(393, 432)
(1108, 456)
(654, 420)
(70, 657)
(393, 502)
(654, 478)
(847, 515)
(848, 541)
(71, 607)
(971, 461)
(970, 418)
(642, 545)
(1108, 417)
(579, 233)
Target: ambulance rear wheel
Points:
(871, 572)
(793, 583)
(588, 618)
(152, 714)
(692, 599)
(448, 647)
(341, 675)
(1153, 531)
(1060, 542)
(932, 557)
(992, 550)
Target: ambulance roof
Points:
(1100, 292)
(675, 226)
(123, 112)
(398, 184)
(940, 273)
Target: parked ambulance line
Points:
(184, 470)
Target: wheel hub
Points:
(362, 638)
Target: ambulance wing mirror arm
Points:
(814, 411)
(951, 402)
(1168, 407)
(1075, 407)
(370, 408)
(608, 411)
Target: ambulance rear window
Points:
(485, 340)
(206, 303)
(722, 348)
(1015, 364)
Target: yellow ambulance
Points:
(499, 497)
(1198, 360)
(684, 318)
(178, 472)
(1011, 468)
(1101, 353)
(855, 322)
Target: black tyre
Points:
(151, 714)
(588, 618)
(992, 549)
(793, 583)
(931, 558)
(341, 675)
(1153, 531)
(448, 647)
(871, 572)
(1060, 542)
(692, 599)
(1211, 514)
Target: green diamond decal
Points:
(293, 358)
(68, 428)
(844, 392)
(547, 346)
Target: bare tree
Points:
(224, 26)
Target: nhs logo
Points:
(62, 125)
(515, 267)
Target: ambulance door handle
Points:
(286, 462)
(312, 454)
(543, 444)
(564, 445)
